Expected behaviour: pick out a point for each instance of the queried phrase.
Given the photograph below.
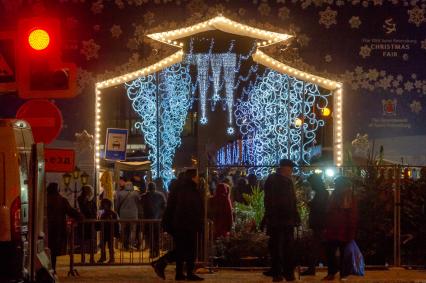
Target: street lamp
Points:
(67, 179)
(76, 175)
(84, 178)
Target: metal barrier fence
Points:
(125, 242)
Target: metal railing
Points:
(125, 242)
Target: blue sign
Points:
(116, 144)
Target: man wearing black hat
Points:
(281, 216)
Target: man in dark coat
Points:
(183, 219)
(153, 204)
(58, 208)
(281, 216)
(169, 257)
(317, 217)
(87, 206)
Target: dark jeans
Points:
(110, 244)
(128, 237)
(281, 242)
(152, 232)
(186, 246)
(53, 258)
(168, 257)
(317, 249)
(331, 248)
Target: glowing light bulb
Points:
(325, 112)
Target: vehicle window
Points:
(23, 142)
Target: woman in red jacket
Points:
(341, 222)
(220, 211)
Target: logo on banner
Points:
(389, 26)
(389, 107)
(116, 144)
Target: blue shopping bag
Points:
(353, 261)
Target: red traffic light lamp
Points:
(41, 73)
(39, 39)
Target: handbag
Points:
(353, 261)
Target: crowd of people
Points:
(182, 213)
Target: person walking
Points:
(58, 208)
(317, 217)
(109, 231)
(281, 216)
(153, 204)
(126, 204)
(340, 227)
(169, 257)
(184, 219)
(220, 211)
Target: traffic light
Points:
(40, 70)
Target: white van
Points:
(22, 206)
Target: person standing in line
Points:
(317, 216)
(184, 219)
(139, 188)
(58, 208)
(109, 231)
(281, 216)
(87, 205)
(340, 227)
(126, 203)
(241, 189)
(252, 181)
(153, 204)
(220, 211)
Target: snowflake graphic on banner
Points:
(328, 17)
(116, 31)
(423, 44)
(416, 16)
(97, 7)
(354, 22)
(119, 3)
(365, 51)
(283, 13)
(416, 106)
(90, 49)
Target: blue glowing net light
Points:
(276, 120)
(173, 95)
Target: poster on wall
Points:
(116, 144)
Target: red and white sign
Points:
(44, 117)
(59, 160)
